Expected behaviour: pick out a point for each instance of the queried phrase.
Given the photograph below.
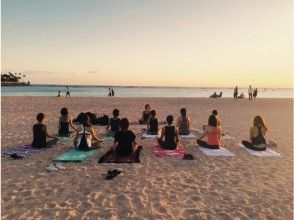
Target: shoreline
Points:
(143, 97)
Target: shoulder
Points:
(254, 129)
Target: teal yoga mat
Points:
(73, 155)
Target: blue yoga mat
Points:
(73, 155)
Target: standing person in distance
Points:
(250, 91)
(67, 92)
(236, 93)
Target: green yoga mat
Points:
(73, 155)
(108, 138)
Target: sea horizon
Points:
(139, 91)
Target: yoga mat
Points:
(188, 136)
(21, 150)
(62, 138)
(111, 157)
(267, 153)
(158, 151)
(146, 135)
(73, 155)
(216, 152)
(108, 138)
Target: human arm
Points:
(71, 124)
(178, 122)
(204, 134)
(92, 132)
(177, 136)
(46, 132)
(109, 123)
(162, 132)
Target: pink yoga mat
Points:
(159, 152)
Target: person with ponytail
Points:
(85, 134)
(256, 135)
(183, 123)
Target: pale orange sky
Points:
(166, 43)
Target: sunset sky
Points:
(209, 43)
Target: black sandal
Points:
(188, 157)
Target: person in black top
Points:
(145, 115)
(64, 122)
(112, 92)
(255, 91)
(236, 93)
(152, 123)
(113, 123)
(257, 132)
(67, 92)
(124, 140)
(170, 134)
(40, 133)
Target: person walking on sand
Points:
(112, 92)
(109, 92)
(58, 95)
(250, 91)
(67, 92)
(236, 93)
(255, 93)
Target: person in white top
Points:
(85, 135)
(67, 92)
(250, 91)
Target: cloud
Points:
(33, 72)
(93, 71)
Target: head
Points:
(124, 124)
(64, 112)
(85, 120)
(259, 122)
(250, 87)
(147, 107)
(40, 117)
(212, 121)
(115, 113)
(183, 112)
(214, 112)
(170, 119)
(153, 113)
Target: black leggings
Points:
(52, 142)
(251, 146)
(166, 146)
(204, 144)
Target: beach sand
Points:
(240, 187)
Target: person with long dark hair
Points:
(152, 123)
(213, 133)
(145, 114)
(256, 135)
(183, 123)
(85, 134)
(65, 121)
(113, 123)
(169, 135)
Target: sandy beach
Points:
(239, 187)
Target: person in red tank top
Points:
(212, 132)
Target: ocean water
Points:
(120, 91)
